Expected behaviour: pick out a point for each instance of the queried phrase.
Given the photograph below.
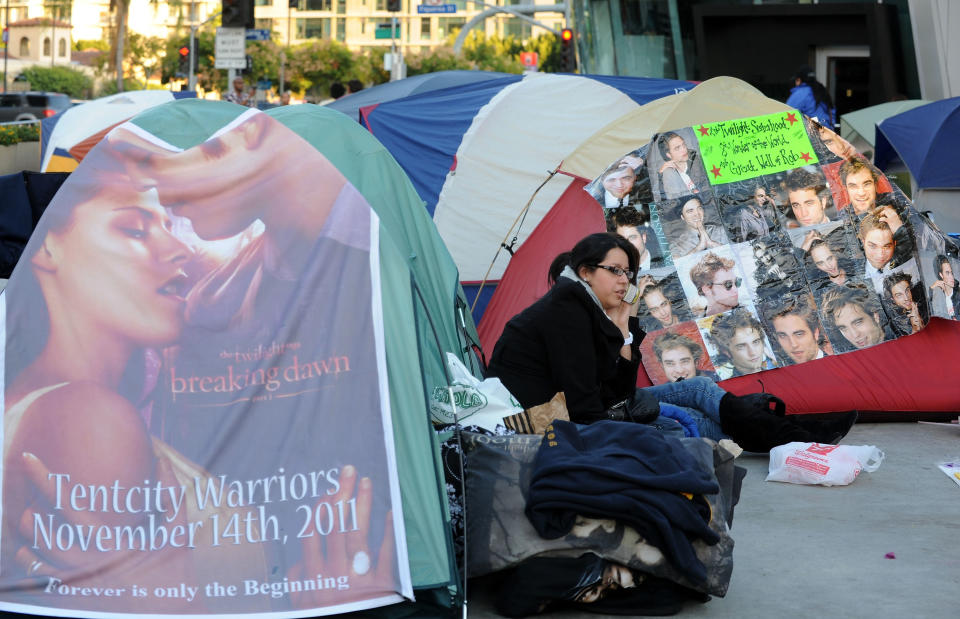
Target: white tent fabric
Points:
(82, 121)
(720, 98)
(513, 144)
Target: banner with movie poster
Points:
(196, 412)
(769, 241)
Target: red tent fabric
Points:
(79, 150)
(907, 374)
(575, 215)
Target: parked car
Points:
(31, 105)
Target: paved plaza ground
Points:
(812, 551)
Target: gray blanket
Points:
(499, 535)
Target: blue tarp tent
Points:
(925, 139)
(424, 132)
(417, 84)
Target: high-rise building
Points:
(352, 22)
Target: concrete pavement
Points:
(812, 551)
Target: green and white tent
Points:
(220, 349)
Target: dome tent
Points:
(477, 153)
(68, 136)
(410, 274)
(909, 367)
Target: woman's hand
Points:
(808, 240)
(667, 165)
(705, 240)
(645, 282)
(633, 161)
(914, 315)
(889, 215)
(347, 554)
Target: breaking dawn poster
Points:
(196, 419)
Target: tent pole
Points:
(503, 244)
(456, 432)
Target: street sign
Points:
(258, 34)
(230, 48)
(385, 31)
(530, 59)
(436, 8)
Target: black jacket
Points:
(565, 342)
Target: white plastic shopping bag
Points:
(826, 465)
(481, 403)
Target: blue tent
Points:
(426, 82)
(926, 140)
(424, 132)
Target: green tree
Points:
(317, 64)
(120, 10)
(145, 53)
(85, 44)
(208, 77)
(494, 53)
(479, 51)
(67, 80)
(369, 67)
(265, 61)
(441, 59)
(110, 87)
(547, 47)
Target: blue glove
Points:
(675, 412)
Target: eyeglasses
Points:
(727, 285)
(615, 270)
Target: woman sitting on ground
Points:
(580, 339)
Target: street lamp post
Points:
(6, 41)
(283, 54)
(192, 78)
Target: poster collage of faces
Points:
(769, 241)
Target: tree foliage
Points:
(85, 44)
(547, 47)
(208, 78)
(143, 52)
(63, 79)
(487, 53)
(317, 64)
(442, 59)
(313, 66)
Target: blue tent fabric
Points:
(423, 132)
(25, 197)
(46, 130)
(427, 82)
(643, 89)
(926, 140)
(16, 222)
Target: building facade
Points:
(863, 51)
(40, 40)
(352, 22)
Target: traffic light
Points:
(183, 69)
(237, 13)
(393, 5)
(568, 52)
